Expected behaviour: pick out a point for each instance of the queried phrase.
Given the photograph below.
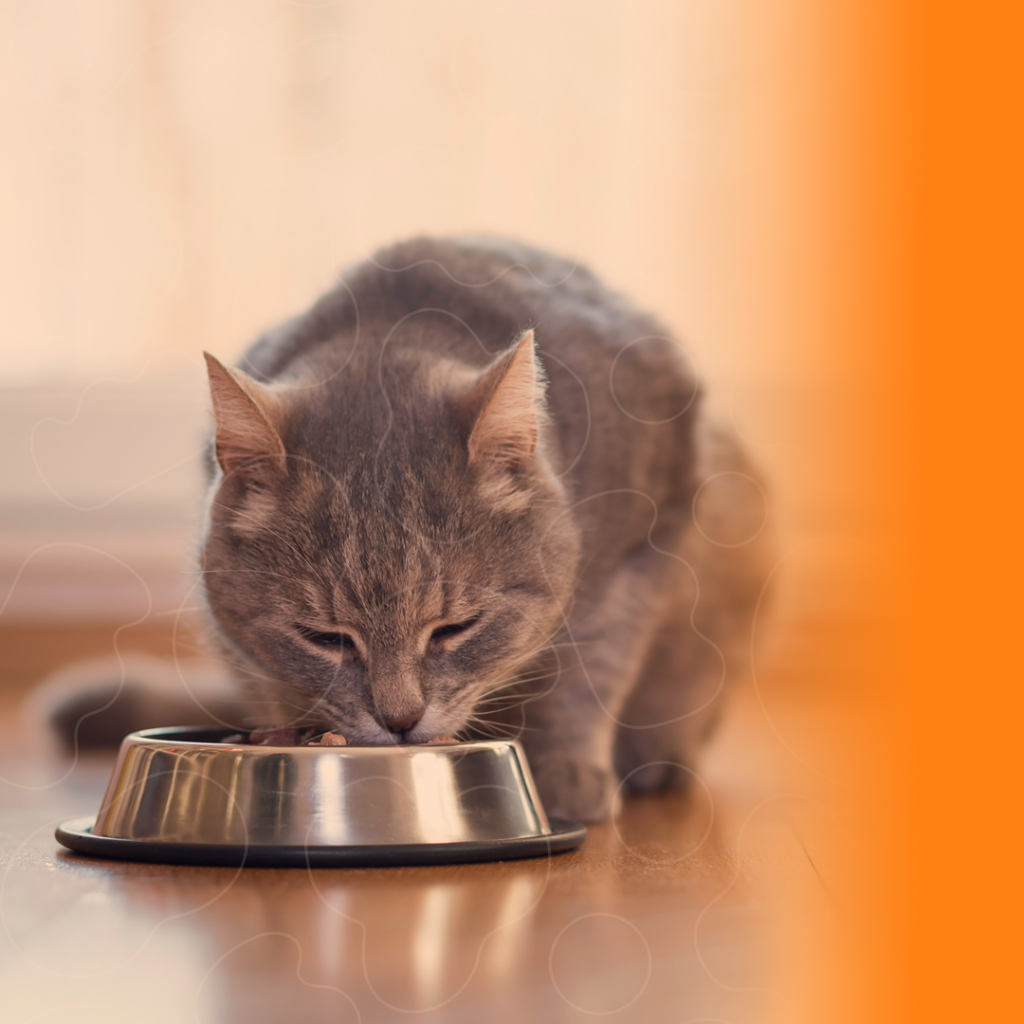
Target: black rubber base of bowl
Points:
(76, 835)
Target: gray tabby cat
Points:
(456, 497)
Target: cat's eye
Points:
(329, 641)
(452, 629)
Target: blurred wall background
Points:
(179, 174)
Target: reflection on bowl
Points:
(184, 794)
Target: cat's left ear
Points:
(509, 401)
(245, 413)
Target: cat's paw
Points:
(573, 788)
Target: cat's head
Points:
(382, 550)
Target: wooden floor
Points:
(724, 905)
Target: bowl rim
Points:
(177, 736)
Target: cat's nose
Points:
(401, 725)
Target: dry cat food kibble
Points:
(333, 739)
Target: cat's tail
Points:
(96, 703)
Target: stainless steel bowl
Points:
(180, 795)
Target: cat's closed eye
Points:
(442, 633)
(328, 641)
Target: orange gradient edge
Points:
(964, 776)
(925, 282)
(911, 118)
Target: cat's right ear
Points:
(245, 412)
(508, 403)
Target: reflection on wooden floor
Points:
(703, 906)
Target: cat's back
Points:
(621, 397)
(472, 295)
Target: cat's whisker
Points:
(524, 681)
(511, 694)
(492, 714)
(497, 729)
(492, 691)
(498, 711)
(499, 726)
(539, 672)
(503, 701)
